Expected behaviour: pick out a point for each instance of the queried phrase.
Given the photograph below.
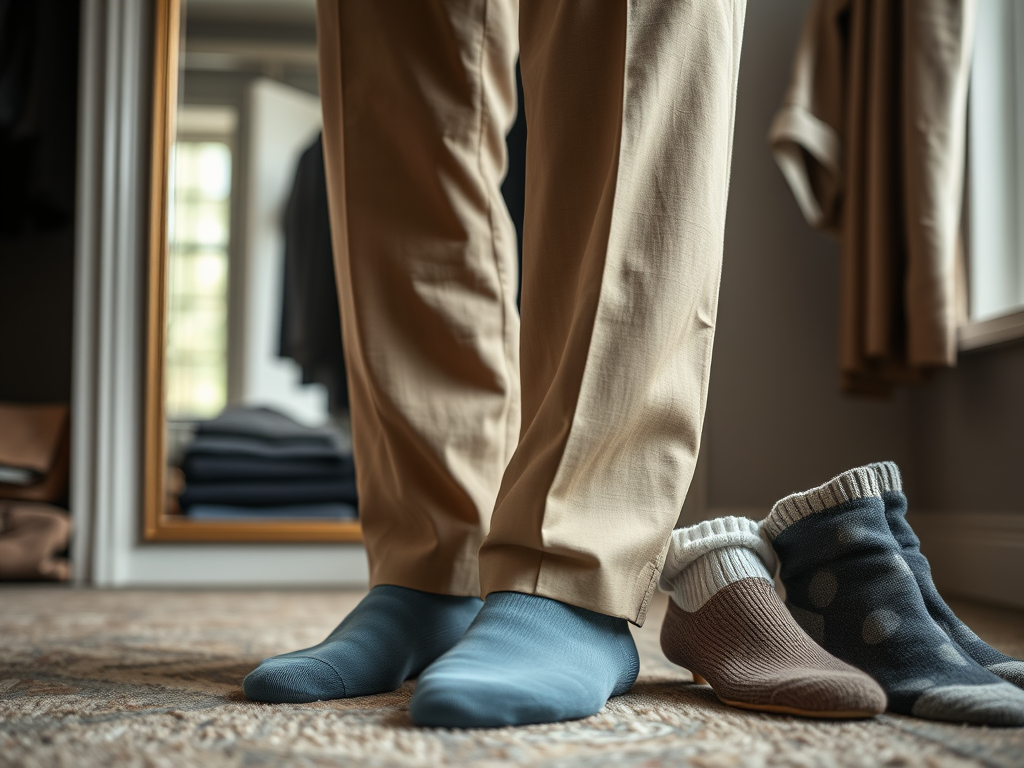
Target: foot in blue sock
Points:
(1001, 665)
(392, 635)
(527, 659)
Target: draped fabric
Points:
(871, 139)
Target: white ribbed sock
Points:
(707, 557)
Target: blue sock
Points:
(1006, 667)
(527, 659)
(392, 635)
(849, 587)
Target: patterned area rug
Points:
(152, 678)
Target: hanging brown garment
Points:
(871, 140)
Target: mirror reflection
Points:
(255, 391)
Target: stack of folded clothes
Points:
(257, 462)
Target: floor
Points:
(152, 678)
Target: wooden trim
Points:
(166, 32)
(157, 525)
(178, 528)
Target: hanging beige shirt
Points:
(871, 138)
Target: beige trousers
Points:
(579, 423)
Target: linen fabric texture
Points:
(578, 425)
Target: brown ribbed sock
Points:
(746, 645)
(726, 624)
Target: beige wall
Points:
(968, 435)
(967, 429)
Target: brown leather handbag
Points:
(34, 451)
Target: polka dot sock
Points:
(1006, 667)
(392, 635)
(726, 623)
(849, 587)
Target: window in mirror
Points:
(244, 441)
(199, 229)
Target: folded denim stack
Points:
(257, 462)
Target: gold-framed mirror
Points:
(246, 435)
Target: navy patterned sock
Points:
(392, 635)
(849, 587)
(1006, 667)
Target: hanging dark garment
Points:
(310, 317)
(38, 108)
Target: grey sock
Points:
(848, 585)
(1006, 667)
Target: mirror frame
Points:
(157, 525)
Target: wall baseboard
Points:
(244, 565)
(979, 556)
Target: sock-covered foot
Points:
(392, 635)
(848, 585)
(1006, 667)
(527, 659)
(726, 623)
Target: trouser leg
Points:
(417, 98)
(630, 110)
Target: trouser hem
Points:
(535, 573)
(459, 578)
